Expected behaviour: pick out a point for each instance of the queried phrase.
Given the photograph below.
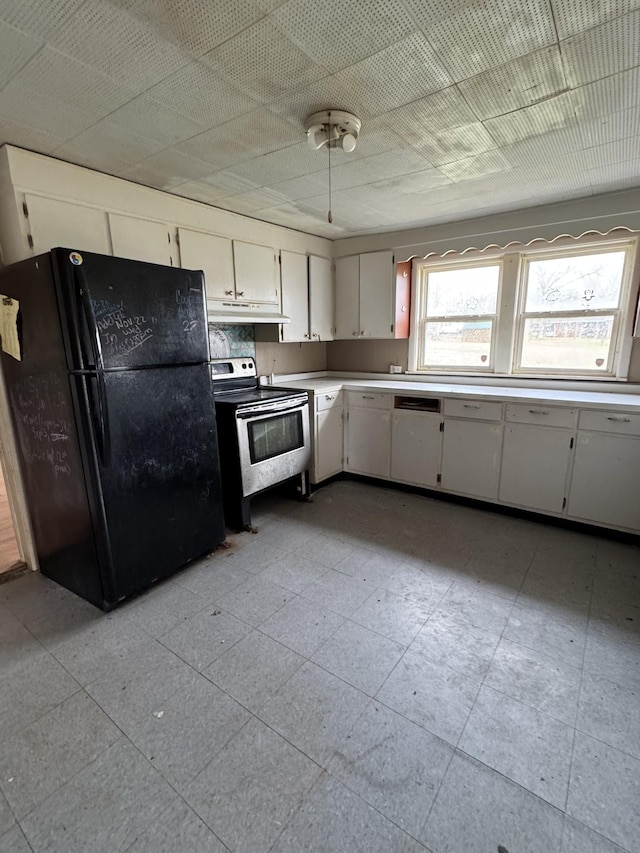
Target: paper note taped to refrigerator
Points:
(9, 325)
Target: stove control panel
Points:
(233, 368)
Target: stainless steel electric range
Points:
(263, 437)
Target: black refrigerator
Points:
(113, 412)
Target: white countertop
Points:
(324, 383)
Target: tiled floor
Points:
(373, 671)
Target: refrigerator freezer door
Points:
(127, 314)
(160, 483)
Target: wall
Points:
(367, 356)
(600, 213)
(634, 364)
(290, 358)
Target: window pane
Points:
(458, 344)
(579, 343)
(575, 283)
(463, 292)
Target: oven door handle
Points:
(271, 408)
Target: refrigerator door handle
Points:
(84, 300)
(90, 318)
(105, 451)
(97, 413)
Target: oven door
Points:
(274, 444)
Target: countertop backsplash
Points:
(234, 341)
(290, 357)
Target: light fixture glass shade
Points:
(348, 142)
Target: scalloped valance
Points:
(620, 231)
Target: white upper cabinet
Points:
(213, 255)
(307, 299)
(376, 292)
(295, 296)
(364, 296)
(59, 223)
(139, 239)
(233, 270)
(321, 299)
(255, 273)
(347, 297)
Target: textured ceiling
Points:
(466, 107)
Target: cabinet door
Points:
(534, 466)
(255, 269)
(58, 223)
(295, 296)
(376, 295)
(605, 485)
(213, 255)
(139, 239)
(321, 299)
(347, 325)
(369, 442)
(416, 448)
(328, 444)
(471, 458)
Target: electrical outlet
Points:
(395, 368)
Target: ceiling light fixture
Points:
(333, 129)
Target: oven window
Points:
(275, 436)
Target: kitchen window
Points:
(563, 312)
(458, 317)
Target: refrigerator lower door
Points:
(154, 442)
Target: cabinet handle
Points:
(306, 334)
(619, 420)
(229, 292)
(355, 333)
(329, 396)
(241, 293)
(538, 411)
(471, 406)
(368, 397)
(362, 333)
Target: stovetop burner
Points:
(235, 382)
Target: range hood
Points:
(244, 312)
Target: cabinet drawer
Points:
(480, 410)
(370, 401)
(539, 413)
(327, 400)
(622, 423)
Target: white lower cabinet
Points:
(369, 435)
(416, 448)
(583, 465)
(327, 457)
(605, 484)
(471, 457)
(534, 466)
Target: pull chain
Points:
(330, 215)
